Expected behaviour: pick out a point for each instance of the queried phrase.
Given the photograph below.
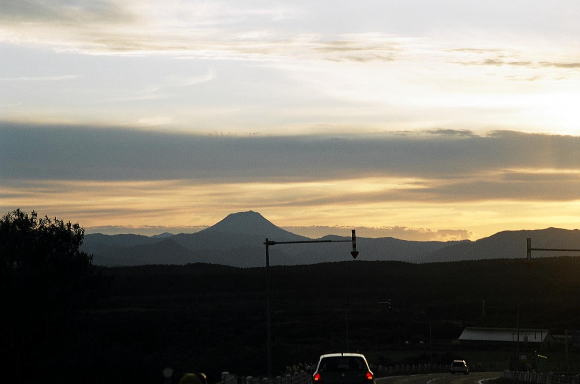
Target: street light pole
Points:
(268, 243)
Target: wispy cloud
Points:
(451, 132)
(499, 62)
(146, 94)
(40, 78)
(565, 65)
(519, 63)
(74, 12)
(507, 58)
(233, 31)
(477, 50)
(163, 90)
(188, 81)
(361, 202)
(210, 30)
(399, 232)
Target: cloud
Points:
(31, 151)
(40, 78)
(213, 30)
(452, 132)
(476, 50)
(444, 166)
(504, 62)
(164, 90)
(399, 232)
(557, 189)
(60, 11)
(496, 62)
(522, 63)
(508, 59)
(196, 80)
(564, 65)
(360, 48)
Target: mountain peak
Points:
(248, 214)
(250, 223)
(243, 219)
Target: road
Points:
(440, 378)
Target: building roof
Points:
(504, 335)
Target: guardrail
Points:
(305, 376)
(295, 378)
(531, 377)
(403, 369)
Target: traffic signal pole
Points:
(268, 243)
(529, 249)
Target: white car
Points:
(343, 368)
(459, 366)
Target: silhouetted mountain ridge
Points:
(512, 244)
(238, 240)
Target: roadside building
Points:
(482, 335)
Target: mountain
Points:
(238, 240)
(511, 245)
(253, 224)
(237, 230)
(162, 235)
(160, 252)
(125, 240)
(100, 245)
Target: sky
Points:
(421, 119)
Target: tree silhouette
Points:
(44, 276)
(29, 245)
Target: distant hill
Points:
(162, 251)
(238, 240)
(511, 244)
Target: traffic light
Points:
(354, 252)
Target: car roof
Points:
(342, 354)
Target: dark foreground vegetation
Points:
(70, 322)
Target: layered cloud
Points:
(439, 179)
(273, 30)
(339, 112)
(404, 233)
(292, 65)
(436, 164)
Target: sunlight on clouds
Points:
(442, 80)
(186, 203)
(559, 110)
(280, 79)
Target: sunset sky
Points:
(430, 119)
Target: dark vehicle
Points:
(459, 366)
(343, 368)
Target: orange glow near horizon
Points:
(367, 202)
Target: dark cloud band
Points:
(95, 153)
